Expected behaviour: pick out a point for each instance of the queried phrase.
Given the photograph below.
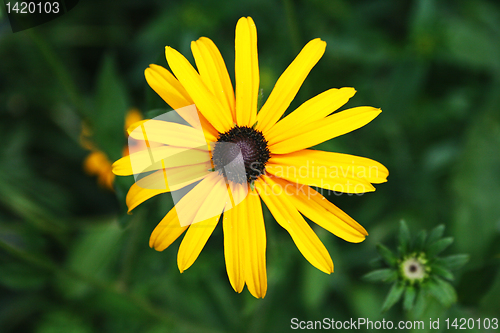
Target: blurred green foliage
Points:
(71, 260)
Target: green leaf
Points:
(409, 298)
(469, 42)
(436, 234)
(476, 284)
(476, 185)
(394, 295)
(455, 261)
(439, 246)
(420, 240)
(386, 274)
(93, 254)
(111, 105)
(387, 255)
(442, 291)
(404, 238)
(62, 321)
(18, 276)
(121, 186)
(315, 287)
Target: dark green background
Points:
(71, 260)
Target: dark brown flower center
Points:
(241, 154)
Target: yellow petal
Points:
(316, 108)
(97, 163)
(183, 213)
(195, 205)
(330, 179)
(133, 116)
(319, 210)
(254, 243)
(166, 232)
(245, 243)
(213, 71)
(123, 167)
(246, 72)
(215, 200)
(333, 165)
(157, 158)
(233, 238)
(173, 179)
(169, 133)
(215, 112)
(172, 92)
(198, 121)
(193, 242)
(325, 129)
(163, 181)
(289, 84)
(199, 232)
(137, 195)
(323, 202)
(167, 86)
(290, 219)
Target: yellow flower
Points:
(278, 167)
(97, 162)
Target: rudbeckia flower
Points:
(272, 159)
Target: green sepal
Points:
(409, 298)
(455, 261)
(420, 302)
(420, 241)
(435, 234)
(387, 255)
(442, 291)
(376, 262)
(394, 295)
(438, 246)
(442, 271)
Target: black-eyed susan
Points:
(244, 155)
(97, 162)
